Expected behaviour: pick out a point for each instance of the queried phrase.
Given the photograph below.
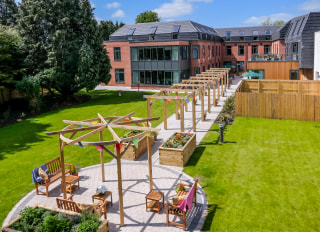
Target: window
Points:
(167, 53)
(131, 31)
(152, 30)
(208, 51)
(295, 48)
(176, 28)
(117, 53)
(140, 50)
(134, 54)
(268, 37)
(130, 37)
(119, 75)
(241, 33)
(196, 70)
(151, 37)
(255, 32)
(147, 53)
(212, 52)
(212, 65)
(216, 51)
(219, 51)
(203, 51)
(154, 54)
(174, 35)
(228, 50)
(240, 50)
(241, 38)
(267, 49)
(184, 52)
(255, 38)
(228, 35)
(254, 49)
(203, 68)
(208, 66)
(268, 32)
(294, 75)
(195, 51)
(160, 54)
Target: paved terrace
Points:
(135, 182)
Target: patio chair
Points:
(182, 209)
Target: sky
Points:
(213, 13)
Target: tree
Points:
(71, 54)
(8, 9)
(108, 27)
(269, 22)
(147, 16)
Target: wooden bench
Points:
(55, 173)
(174, 210)
(100, 208)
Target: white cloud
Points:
(93, 5)
(200, 0)
(274, 17)
(113, 5)
(313, 5)
(118, 14)
(98, 19)
(174, 9)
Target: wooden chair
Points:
(100, 208)
(174, 210)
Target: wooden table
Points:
(69, 183)
(155, 197)
(102, 197)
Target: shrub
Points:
(88, 226)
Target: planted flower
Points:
(132, 133)
(178, 140)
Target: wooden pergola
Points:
(99, 125)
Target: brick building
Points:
(163, 53)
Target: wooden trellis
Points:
(99, 125)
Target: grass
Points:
(25, 146)
(266, 177)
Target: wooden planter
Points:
(132, 153)
(177, 157)
(104, 227)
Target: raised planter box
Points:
(133, 153)
(177, 156)
(104, 227)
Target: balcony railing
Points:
(268, 57)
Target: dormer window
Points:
(228, 35)
(130, 33)
(152, 30)
(175, 32)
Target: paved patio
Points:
(135, 182)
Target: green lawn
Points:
(266, 177)
(24, 145)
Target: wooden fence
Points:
(7, 95)
(293, 100)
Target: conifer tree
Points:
(8, 9)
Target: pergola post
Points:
(182, 115)
(148, 108)
(214, 95)
(202, 105)
(165, 114)
(63, 172)
(150, 161)
(120, 188)
(209, 102)
(225, 82)
(218, 81)
(193, 112)
(102, 158)
(228, 80)
(222, 94)
(186, 103)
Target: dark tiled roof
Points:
(164, 27)
(248, 31)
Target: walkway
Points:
(135, 182)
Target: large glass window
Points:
(160, 54)
(176, 78)
(196, 70)
(254, 49)
(294, 75)
(167, 53)
(184, 50)
(195, 51)
(140, 54)
(135, 77)
(117, 53)
(228, 51)
(119, 75)
(141, 75)
(147, 53)
(161, 77)
(203, 51)
(212, 52)
(267, 49)
(240, 50)
(175, 53)
(147, 77)
(155, 78)
(168, 78)
(134, 54)
(154, 54)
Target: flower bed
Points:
(45, 218)
(133, 153)
(177, 150)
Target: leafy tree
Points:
(147, 16)
(63, 45)
(8, 8)
(269, 22)
(108, 27)
(11, 69)
(278, 22)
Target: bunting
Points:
(144, 97)
(187, 100)
(161, 100)
(169, 100)
(177, 97)
(80, 145)
(147, 134)
(99, 147)
(136, 142)
(79, 126)
(118, 146)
